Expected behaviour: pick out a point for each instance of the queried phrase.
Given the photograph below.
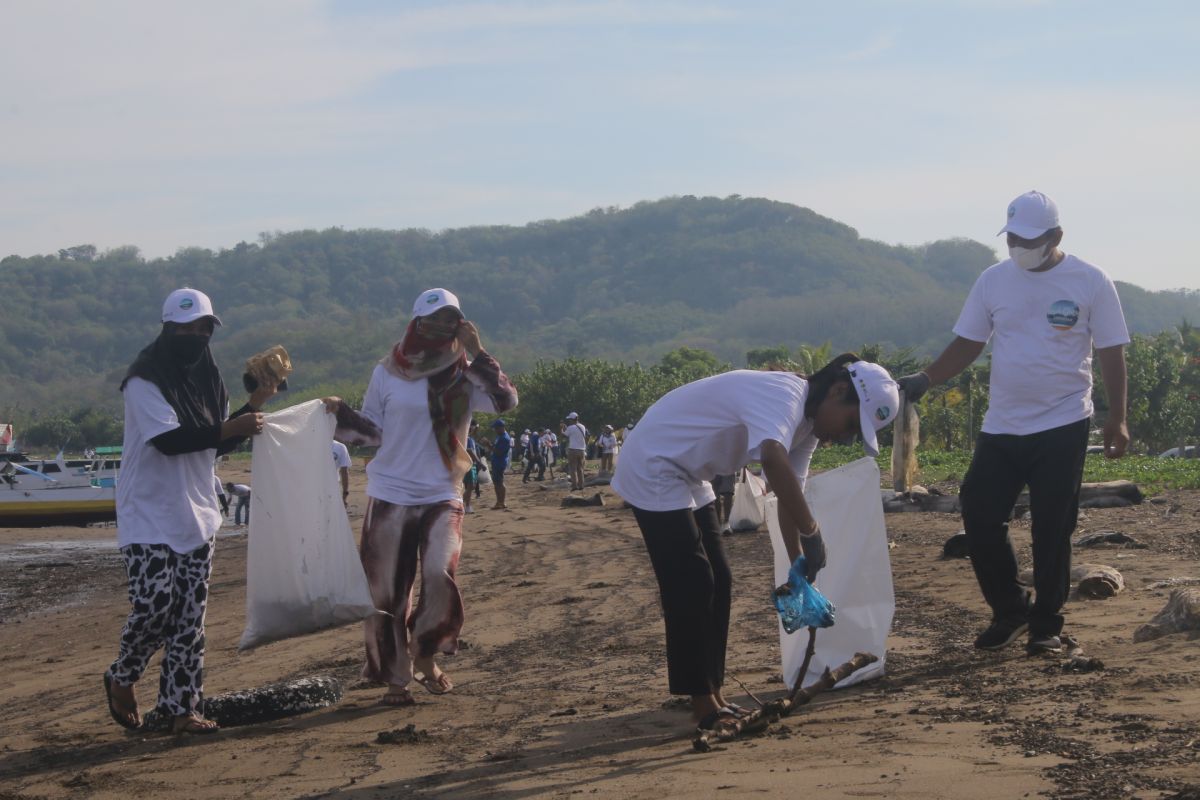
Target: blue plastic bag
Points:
(799, 604)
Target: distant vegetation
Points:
(736, 280)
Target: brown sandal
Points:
(438, 684)
(397, 698)
(194, 725)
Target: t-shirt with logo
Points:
(407, 469)
(341, 456)
(1042, 326)
(576, 436)
(162, 499)
(714, 426)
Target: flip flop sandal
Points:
(439, 685)
(398, 699)
(119, 718)
(194, 726)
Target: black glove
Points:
(914, 386)
(813, 547)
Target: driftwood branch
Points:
(758, 720)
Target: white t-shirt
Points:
(1043, 326)
(162, 499)
(408, 470)
(341, 456)
(608, 443)
(576, 436)
(714, 426)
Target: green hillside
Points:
(726, 275)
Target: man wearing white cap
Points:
(1044, 310)
(576, 449)
(716, 426)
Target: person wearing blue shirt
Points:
(501, 455)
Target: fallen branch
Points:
(758, 720)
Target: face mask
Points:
(187, 348)
(437, 331)
(1028, 258)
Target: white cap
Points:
(187, 305)
(878, 400)
(1031, 215)
(573, 415)
(433, 299)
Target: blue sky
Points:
(167, 125)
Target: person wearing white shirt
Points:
(716, 426)
(342, 463)
(608, 449)
(1043, 310)
(576, 449)
(417, 410)
(177, 422)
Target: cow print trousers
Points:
(168, 593)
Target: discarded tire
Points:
(263, 704)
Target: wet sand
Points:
(561, 681)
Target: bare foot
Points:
(193, 723)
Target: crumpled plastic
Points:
(271, 367)
(799, 604)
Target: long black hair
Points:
(820, 382)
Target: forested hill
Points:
(726, 275)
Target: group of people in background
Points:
(1043, 310)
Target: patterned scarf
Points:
(444, 363)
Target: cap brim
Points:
(1024, 231)
(867, 428)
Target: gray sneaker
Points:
(1043, 644)
(1001, 633)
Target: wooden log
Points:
(1094, 581)
(1181, 613)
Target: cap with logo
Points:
(432, 300)
(878, 401)
(187, 305)
(1031, 215)
(573, 415)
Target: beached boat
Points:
(57, 491)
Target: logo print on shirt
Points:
(1063, 315)
(882, 413)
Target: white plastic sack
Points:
(484, 476)
(857, 580)
(749, 502)
(302, 568)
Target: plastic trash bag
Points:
(303, 573)
(749, 503)
(799, 604)
(483, 475)
(857, 580)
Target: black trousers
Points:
(695, 585)
(534, 462)
(1050, 463)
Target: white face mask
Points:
(1028, 258)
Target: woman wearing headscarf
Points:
(177, 422)
(417, 410)
(716, 426)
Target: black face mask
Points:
(186, 348)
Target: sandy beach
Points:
(561, 680)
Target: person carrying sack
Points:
(417, 410)
(715, 426)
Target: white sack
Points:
(857, 580)
(302, 568)
(749, 502)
